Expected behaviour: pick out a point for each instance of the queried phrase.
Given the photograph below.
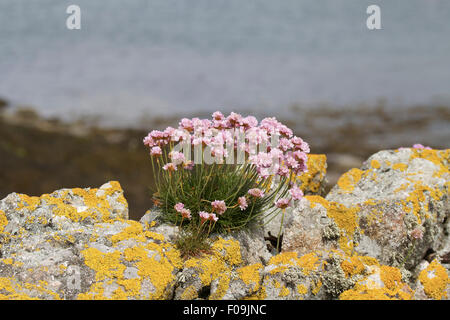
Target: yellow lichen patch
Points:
(95, 293)
(308, 262)
(259, 295)
(438, 157)
(285, 258)
(435, 280)
(27, 202)
(345, 218)
(134, 231)
(403, 187)
(390, 288)
(150, 262)
(374, 216)
(302, 289)
(230, 250)
(348, 180)
(11, 290)
(250, 274)
(317, 199)
(3, 221)
(317, 169)
(106, 265)
(369, 261)
(375, 164)
(160, 273)
(390, 276)
(417, 203)
(96, 205)
(315, 290)
(352, 266)
(225, 255)
(190, 293)
(154, 235)
(222, 287)
(400, 166)
(370, 202)
(284, 292)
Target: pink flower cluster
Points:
(285, 153)
(185, 213)
(420, 146)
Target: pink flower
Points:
(258, 193)
(177, 157)
(417, 233)
(283, 171)
(203, 216)
(283, 203)
(242, 202)
(156, 151)
(249, 122)
(189, 165)
(296, 193)
(219, 206)
(186, 213)
(187, 124)
(235, 119)
(286, 144)
(300, 156)
(170, 167)
(420, 146)
(179, 207)
(218, 116)
(148, 141)
(213, 217)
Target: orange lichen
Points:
(348, 180)
(435, 280)
(225, 254)
(96, 202)
(390, 288)
(251, 274)
(390, 276)
(317, 168)
(352, 266)
(400, 166)
(375, 164)
(345, 218)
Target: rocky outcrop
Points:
(381, 233)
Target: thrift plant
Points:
(221, 174)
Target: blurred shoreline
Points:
(39, 155)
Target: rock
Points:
(432, 282)
(318, 224)
(252, 245)
(312, 182)
(381, 283)
(369, 238)
(77, 244)
(401, 200)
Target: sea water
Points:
(138, 59)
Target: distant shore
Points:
(38, 155)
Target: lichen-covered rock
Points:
(312, 182)
(366, 240)
(78, 244)
(401, 200)
(318, 224)
(209, 273)
(381, 283)
(432, 282)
